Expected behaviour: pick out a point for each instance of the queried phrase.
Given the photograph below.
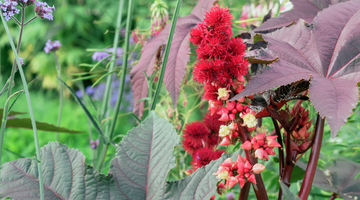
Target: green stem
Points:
(58, 69)
(248, 20)
(108, 86)
(10, 85)
(166, 55)
(23, 79)
(113, 58)
(124, 68)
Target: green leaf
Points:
(12, 113)
(144, 158)
(199, 185)
(287, 194)
(88, 114)
(41, 126)
(65, 176)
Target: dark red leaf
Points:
(328, 51)
(178, 57)
(303, 9)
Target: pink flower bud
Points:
(227, 163)
(259, 153)
(232, 116)
(239, 107)
(224, 117)
(225, 142)
(246, 145)
(233, 181)
(230, 105)
(252, 178)
(257, 168)
(242, 182)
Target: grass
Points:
(19, 142)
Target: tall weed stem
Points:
(166, 55)
(27, 94)
(58, 68)
(108, 87)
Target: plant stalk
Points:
(166, 55)
(124, 68)
(314, 157)
(58, 67)
(23, 79)
(244, 192)
(108, 86)
(281, 154)
(10, 82)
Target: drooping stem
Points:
(281, 154)
(108, 87)
(166, 55)
(32, 19)
(314, 157)
(23, 79)
(10, 84)
(259, 187)
(244, 192)
(58, 69)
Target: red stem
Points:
(281, 153)
(259, 187)
(314, 157)
(244, 192)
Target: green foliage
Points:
(138, 171)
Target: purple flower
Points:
(52, 46)
(24, 3)
(94, 144)
(99, 55)
(79, 94)
(8, 8)
(230, 196)
(43, 10)
(21, 61)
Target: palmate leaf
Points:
(328, 52)
(303, 9)
(199, 185)
(338, 178)
(178, 57)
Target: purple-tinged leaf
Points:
(178, 57)
(303, 9)
(338, 178)
(65, 175)
(201, 184)
(328, 52)
(144, 158)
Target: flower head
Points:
(94, 144)
(8, 9)
(43, 10)
(195, 136)
(204, 156)
(24, 3)
(52, 46)
(100, 55)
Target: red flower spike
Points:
(194, 135)
(218, 16)
(246, 145)
(204, 156)
(252, 178)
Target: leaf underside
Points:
(199, 185)
(328, 52)
(303, 9)
(178, 57)
(339, 178)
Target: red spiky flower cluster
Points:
(220, 64)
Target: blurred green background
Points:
(90, 24)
